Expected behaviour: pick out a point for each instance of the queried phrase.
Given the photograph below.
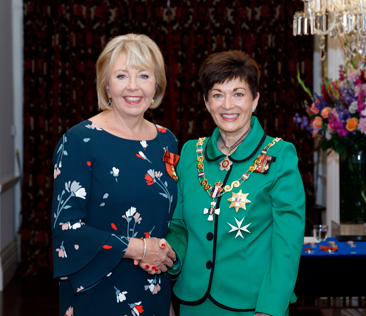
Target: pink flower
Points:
(56, 172)
(362, 125)
(334, 115)
(137, 217)
(361, 106)
(158, 174)
(61, 253)
(314, 109)
(353, 75)
(64, 226)
(70, 311)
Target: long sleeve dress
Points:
(106, 190)
(239, 253)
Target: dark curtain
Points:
(62, 41)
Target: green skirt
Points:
(208, 308)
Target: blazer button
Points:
(209, 265)
(209, 236)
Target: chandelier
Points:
(345, 19)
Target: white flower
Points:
(115, 171)
(151, 173)
(131, 211)
(76, 189)
(353, 107)
(363, 112)
(328, 134)
(144, 144)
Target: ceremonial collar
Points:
(246, 150)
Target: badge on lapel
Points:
(264, 163)
(171, 161)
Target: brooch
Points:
(239, 228)
(171, 161)
(264, 162)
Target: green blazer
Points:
(254, 273)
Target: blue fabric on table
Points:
(344, 249)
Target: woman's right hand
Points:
(159, 255)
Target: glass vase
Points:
(352, 187)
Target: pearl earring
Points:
(152, 101)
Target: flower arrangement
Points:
(338, 118)
(338, 115)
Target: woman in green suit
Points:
(238, 225)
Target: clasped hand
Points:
(158, 258)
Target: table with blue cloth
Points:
(332, 272)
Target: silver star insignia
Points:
(239, 228)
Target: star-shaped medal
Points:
(239, 228)
(211, 211)
(239, 200)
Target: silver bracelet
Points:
(144, 250)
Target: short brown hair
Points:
(141, 52)
(226, 66)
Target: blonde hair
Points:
(141, 52)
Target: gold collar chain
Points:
(237, 183)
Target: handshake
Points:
(153, 255)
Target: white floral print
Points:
(115, 173)
(121, 296)
(93, 126)
(61, 152)
(75, 190)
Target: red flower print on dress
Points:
(152, 177)
(161, 129)
(107, 247)
(88, 163)
(149, 179)
(136, 308)
(142, 156)
(114, 226)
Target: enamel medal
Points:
(225, 164)
(215, 192)
(211, 211)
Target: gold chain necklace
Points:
(217, 191)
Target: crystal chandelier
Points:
(345, 19)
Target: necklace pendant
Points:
(225, 164)
(215, 192)
(211, 211)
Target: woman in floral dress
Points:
(115, 192)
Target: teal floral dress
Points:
(107, 190)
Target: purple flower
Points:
(305, 122)
(297, 119)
